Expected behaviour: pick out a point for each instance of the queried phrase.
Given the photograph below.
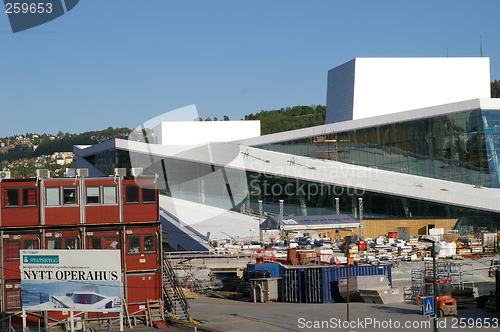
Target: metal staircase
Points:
(175, 300)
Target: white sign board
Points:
(71, 280)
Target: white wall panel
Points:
(390, 85)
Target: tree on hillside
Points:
(495, 89)
(289, 118)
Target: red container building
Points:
(114, 213)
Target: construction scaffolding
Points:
(460, 274)
(325, 147)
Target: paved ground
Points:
(231, 315)
(243, 315)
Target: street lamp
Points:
(433, 240)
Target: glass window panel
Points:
(132, 194)
(52, 195)
(94, 243)
(148, 195)
(111, 242)
(12, 249)
(92, 195)
(29, 197)
(70, 243)
(54, 244)
(69, 196)
(11, 197)
(149, 243)
(30, 244)
(109, 195)
(134, 244)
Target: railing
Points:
(255, 213)
(173, 284)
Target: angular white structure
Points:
(203, 132)
(366, 87)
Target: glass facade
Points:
(232, 189)
(461, 147)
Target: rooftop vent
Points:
(42, 173)
(70, 173)
(4, 175)
(136, 171)
(122, 172)
(82, 172)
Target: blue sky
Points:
(121, 62)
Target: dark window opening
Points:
(30, 244)
(148, 195)
(69, 196)
(11, 197)
(94, 243)
(70, 243)
(134, 244)
(149, 243)
(132, 194)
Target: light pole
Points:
(432, 240)
(280, 218)
(261, 237)
(360, 203)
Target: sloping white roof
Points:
(486, 103)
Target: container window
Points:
(30, 244)
(111, 243)
(109, 196)
(54, 244)
(13, 298)
(92, 195)
(69, 196)
(11, 197)
(149, 243)
(134, 244)
(132, 194)
(12, 249)
(52, 195)
(148, 195)
(94, 243)
(29, 197)
(70, 243)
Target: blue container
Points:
(292, 285)
(273, 268)
(313, 285)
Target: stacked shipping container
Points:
(82, 213)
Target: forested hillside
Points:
(285, 119)
(47, 144)
(495, 89)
